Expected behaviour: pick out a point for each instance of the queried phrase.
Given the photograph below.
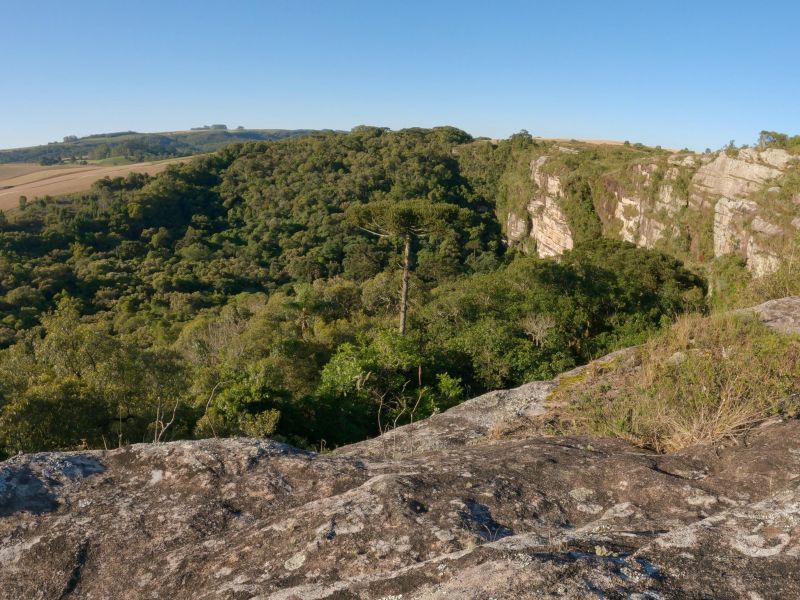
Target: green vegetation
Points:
(129, 146)
(704, 379)
(243, 293)
(406, 221)
(775, 139)
(579, 209)
(784, 281)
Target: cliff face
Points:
(549, 223)
(737, 176)
(695, 206)
(644, 213)
(544, 220)
(472, 503)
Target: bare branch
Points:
(166, 426)
(382, 235)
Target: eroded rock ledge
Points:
(452, 507)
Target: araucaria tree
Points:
(406, 221)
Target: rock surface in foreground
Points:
(453, 507)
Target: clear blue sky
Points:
(677, 73)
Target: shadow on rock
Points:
(30, 487)
(21, 490)
(478, 519)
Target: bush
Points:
(704, 379)
(51, 416)
(785, 281)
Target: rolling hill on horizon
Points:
(131, 146)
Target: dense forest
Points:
(130, 146)
(260, 290)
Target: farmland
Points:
(32, 180)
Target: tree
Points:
(233, 292)
(406, 221)
(52, 414)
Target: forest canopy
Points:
(246, 293)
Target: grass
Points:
(703, 380)
(112, 161)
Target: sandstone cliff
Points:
(695, 206)
(472, 503)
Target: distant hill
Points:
(130, 146)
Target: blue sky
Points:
(694, 74)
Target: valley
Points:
(324, 287)
(400, 301)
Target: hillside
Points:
(131, 146)
(472, 503)
(738, 203)
(257, 291)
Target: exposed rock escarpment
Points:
(737, 176)
(644, 215)
(738, 230)
(472, 503)
(672, 201)
(545, 220)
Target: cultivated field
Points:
(31, 180)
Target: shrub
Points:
(53, 415)
(701, 381)
(785, 281)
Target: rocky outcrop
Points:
(510, 518)
(654, 201)
(549, 185)
(731, 218)
(645, 213)
(543, 221)
(549, 227)
(782, 314)
(721, 184)
(548, 223)
(517, 228)
(472, 503)
(635, 213)
(741, 227)
(736, 176)
(739, 231)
